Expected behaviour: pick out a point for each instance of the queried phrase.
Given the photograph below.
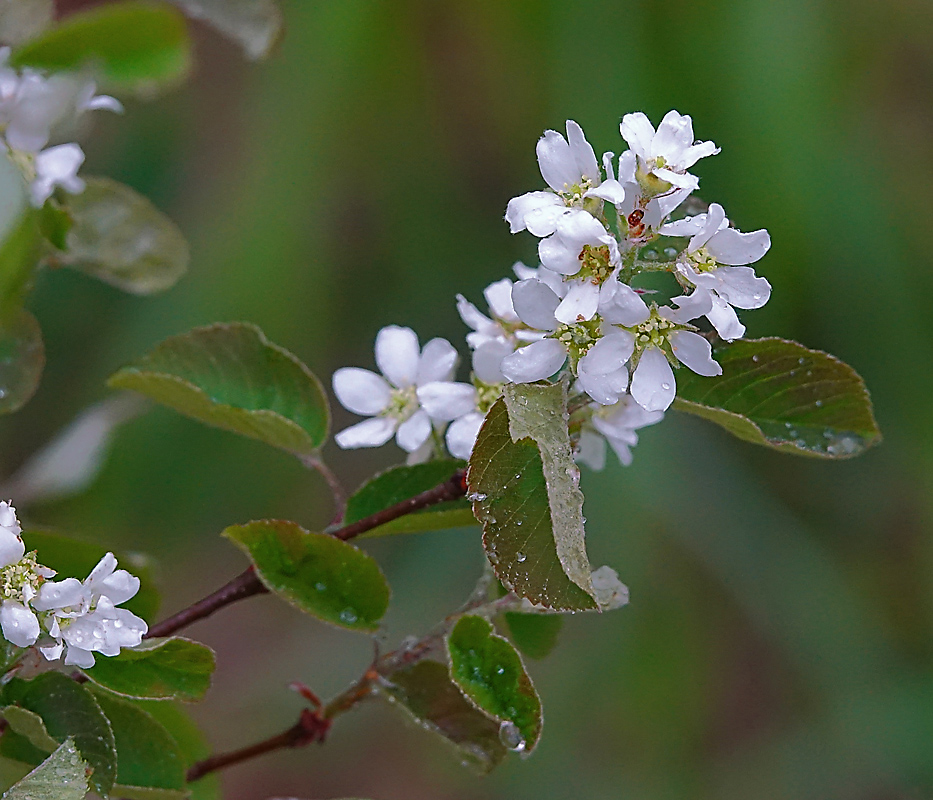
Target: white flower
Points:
(615, 424)
(462, 433)
(668, 152)
(570, 168)
(417, 388)
(645, 210)
(57, 166)
(714, 243)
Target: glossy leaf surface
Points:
(62, 776)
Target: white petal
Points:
(653, 381)
(52, 652)
(622, 451)
(19, 625)
(688, 226)
(690, 306)
(638, 131)
(661, 207)
(674, 136)
(487, 360)
(445, 401)
(584, 158)
(397, 354)
(499, 297)
(12, 548)
(607, 166)
(724, 319)
(713, 221)
(557, 163)
(697, 151)
(611, 191)
(558, 256)
(471, 315)
(609, 353)
(60, 594)
(740, 287)
(620, 304)
(361, 391)
(120, 587)
(682, 180)
(534, 362)
(369, 433)
(732, 247)
(462, 433)
(604, 388)
(103, 570)
(438, 362)
(523, 205)
(694, 351)
(414, 431)
(591, 450)
(542, 221)
(580, 302)
(76, 657)
(535, 304)
(579, 228)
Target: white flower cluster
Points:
(77, 618)
(581, 312)
(32, 107)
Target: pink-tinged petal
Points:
(445, 400)
(674, 136)
(638, 131)
(414, 431)
(373, 432)
(692, 306)
(558, 167)
(471, 315)
(499, 297)
(19, 625)
(361, 391)
(534, 362)
(738, 286)
(583, 156)
(398, 354)
(734, 248)
(610, 190)
(12, 548)
(693, 351)
(535, 304)
(487, 360)
(697, 151)
(591, 450)
(681, 180)
(609, 353)
(519, 207)
(724, 319)
(438, 362)
(653, 384)
(579, 304)
(462, 433)
(619, 304)
(59, 594)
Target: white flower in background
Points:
(570, 168)
(712, 262)
(56, 166)
(82, 618)
(670, 151)
(416, 389)
(615, 425)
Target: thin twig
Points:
(333, 482)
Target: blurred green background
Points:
(778, 642)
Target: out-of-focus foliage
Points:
(777, 642)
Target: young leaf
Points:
(401, 483)
(491, 674)
(323, 576)
(121, 238)
(150, 764)
(427, 694)
(62, 776)
(231, 376)
(175, 668)
(22, 19)
(523, 483)
(534, 634)
(31, 726)
(75, 558)
(133, 45)
(70, 711)
(781, 394)
(255, 24)
(22, 359)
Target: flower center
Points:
(402, 404)
(702, 261)
(573, 195)
(14, 579)
(578, 338)
(486, 394)
(653, 331)
(594, 264)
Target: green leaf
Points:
(133, 45)
(426, 692)
(150, 764)
(31, 726)
(401, 483)
(323, 576)
(23, 19)
(534, 634)
(177, 669)
(175, 719)
(70, 711)
(231, 376)
(62, 776)
(20, 239)
(523, 484)
(490, 673)
(254, 24)
(786, 396)
(121, 238)
(22, 359)
(71, 557)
